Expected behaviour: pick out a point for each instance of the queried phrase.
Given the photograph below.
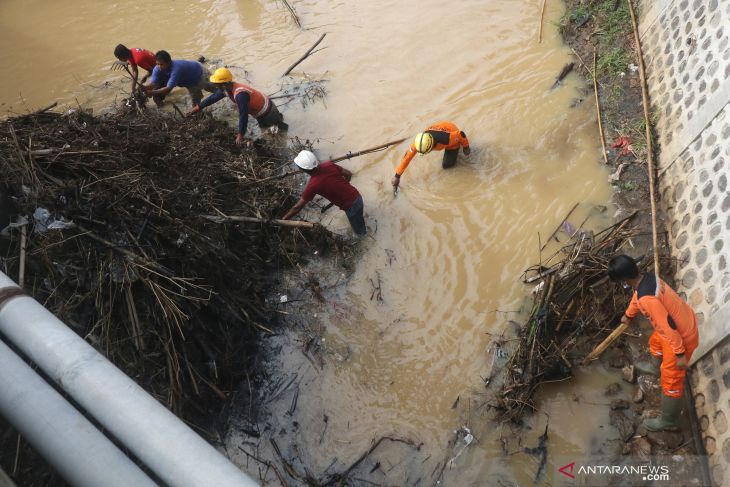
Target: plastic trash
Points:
(44, 221)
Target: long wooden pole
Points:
(251, 219)
(650, 160)
(367, 151)
(598, 109)
(649, 147)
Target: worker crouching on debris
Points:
(675, 335)
(443, 136)
(249, 102)
(332, 182)
(168, 74)
(136, 57)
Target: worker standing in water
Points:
(248, 101)
(443, 136)
(674, 340)
(332, 182)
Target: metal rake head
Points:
(118, 66)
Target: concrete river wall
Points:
(686, 47)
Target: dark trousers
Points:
(355, 215)
(449, 158)
(272, 117)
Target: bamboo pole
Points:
(605, 343)
(649, 147)
(367, 151)
(305, 56)
(251, 219)
(542, 15)
(650, 162)
(598, 109)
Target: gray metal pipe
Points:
(62, 435)
(176, 454)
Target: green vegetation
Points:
(629, 185)
(611, 26)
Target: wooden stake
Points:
(542, 15)
(598, 109)
(305, 56)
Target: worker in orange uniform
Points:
(443, 136)
(675, 335)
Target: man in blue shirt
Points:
(186, 74)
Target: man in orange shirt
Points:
(675, 335)
(443, 136)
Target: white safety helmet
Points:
(306, 160)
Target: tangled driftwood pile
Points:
(576, 306)
(175, 299)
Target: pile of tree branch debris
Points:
(118, 245)
(575, 305)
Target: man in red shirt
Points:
(332, 182)
(136, 57)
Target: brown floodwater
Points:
(446, 253)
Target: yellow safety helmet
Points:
(221, 75)
(423, 142)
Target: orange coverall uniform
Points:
(446, 136)
(675, 329)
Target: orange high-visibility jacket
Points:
(672, 318)
(258, 103)
(446, 136)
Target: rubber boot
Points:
(650, 367)
(669, 419)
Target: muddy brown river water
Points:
(448, 251)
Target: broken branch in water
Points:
(563, 73)
(341, 477)
(293, 13)
(305, 56)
